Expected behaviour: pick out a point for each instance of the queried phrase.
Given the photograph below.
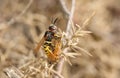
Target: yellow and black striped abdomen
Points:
(50, 52)
(48, 47)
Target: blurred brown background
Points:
(18, 39)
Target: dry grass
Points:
(18, 39)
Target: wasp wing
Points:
(57, 47)
(38, 46)
(54, 56)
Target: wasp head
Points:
(52, 26)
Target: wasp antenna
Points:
(56, 19)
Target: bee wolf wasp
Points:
(51, 43)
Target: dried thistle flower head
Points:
(71, 48)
